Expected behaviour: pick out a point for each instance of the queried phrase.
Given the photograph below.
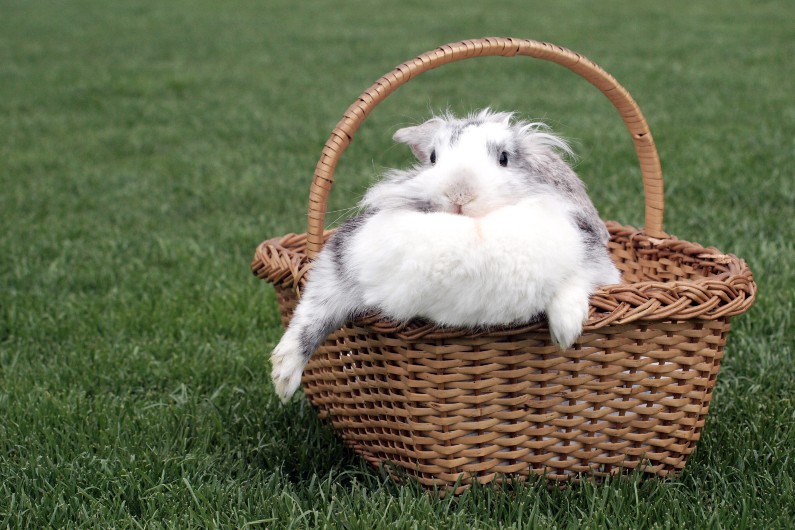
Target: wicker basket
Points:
(452, 406)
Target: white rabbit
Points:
(491, 227)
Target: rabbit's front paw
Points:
(566, 314)
(287, 361)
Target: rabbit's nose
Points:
(460, 196)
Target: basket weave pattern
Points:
(634, 390)
(449, 405)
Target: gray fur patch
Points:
(455, 135)
(494, 149)
(313, 336)
(423, 206)
(341, 237)
(589, 231)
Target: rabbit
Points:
(490, 228)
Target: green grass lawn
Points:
(146, 148)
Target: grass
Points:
(147, 147)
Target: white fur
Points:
(458, 270)
(287, 365)
(460, 239)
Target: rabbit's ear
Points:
(419, 138)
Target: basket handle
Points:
(342, 135)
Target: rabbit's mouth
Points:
(468, 210)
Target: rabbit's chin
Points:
(500, 268)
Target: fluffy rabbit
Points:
(491, 227)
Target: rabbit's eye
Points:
(504, 159)
(433, 156)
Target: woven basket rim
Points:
(729, 291)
